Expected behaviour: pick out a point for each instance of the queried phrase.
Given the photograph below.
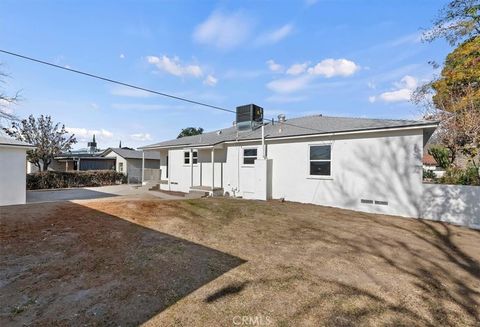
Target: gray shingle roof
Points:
(6, 140)
(309, 125)
(133, 154)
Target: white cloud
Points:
(310, 2)
(122, 56)
(273, 66)
(174, 67)
(304, 75)
(224, 30)
(94, 106)
(334, 67)
(289, 85)
(141, 137)
(210, 80)
(402, 92)
(297, 69)
(275, 35)
(85, 135)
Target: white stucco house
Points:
(129, 162)
(13, 158)
(372, 165)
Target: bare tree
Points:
(6, 101)
(48, 138)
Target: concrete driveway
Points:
(87, 193)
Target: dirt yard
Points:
(221, 262)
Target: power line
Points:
(116, 82)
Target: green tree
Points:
(441, 155)
(190, 131)
(457, 21)
(453, 98)
(48, 138)
(458, 86)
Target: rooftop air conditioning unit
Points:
(249, 117)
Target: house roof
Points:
(8, 141)
(301, 126)
(133, 154)
(429, 160)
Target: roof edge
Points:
(432, 124)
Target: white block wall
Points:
(12, 175)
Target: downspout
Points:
(143, 167)
(263, 142)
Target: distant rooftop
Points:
(301, 126)
(133, 154)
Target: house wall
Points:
(132, 168)
(12, 175)
(118, 160)
(383, 167)
(372, 166)
(458, 204)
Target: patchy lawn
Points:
(222, 262)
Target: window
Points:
(249, 156)
(320, 160)
(120, 167)
(186, 157)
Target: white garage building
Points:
(13, 157)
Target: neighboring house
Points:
(129, 162)
(429, 163)
(372, 165)
(13, 156)
(85, 159)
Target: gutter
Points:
(20, 146)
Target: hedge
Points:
(60, 179)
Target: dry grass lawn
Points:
(221, 262)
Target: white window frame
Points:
(120, 167)
(323, 160)
(243, 156)
(192, 157)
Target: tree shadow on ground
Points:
(38, 196)
(66, 264)
(394, 272)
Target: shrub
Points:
(59, 179)
(429, 174)
(455, 175)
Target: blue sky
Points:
(340, 58)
